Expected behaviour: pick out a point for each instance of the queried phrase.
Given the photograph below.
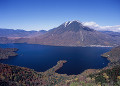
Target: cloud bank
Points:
(95, 26)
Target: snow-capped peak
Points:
(69, 22)
(66, 24)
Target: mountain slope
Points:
(73, 33)
(5, 40)
(17, 36)
(111, 33)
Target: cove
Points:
(42, 57)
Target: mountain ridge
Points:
(19, 32)
(74, 34)
(71, 33)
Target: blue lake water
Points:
(41, 57)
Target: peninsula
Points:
(14, 75)
(7, 52)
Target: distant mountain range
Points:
(71, 33)
(19, 33)
(111, 33)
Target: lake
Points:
(42, 57)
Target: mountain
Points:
(18, 36)
(111, 33)
(19, 33)
(73, 33)
(5, 40)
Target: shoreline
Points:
(63, 45)
(48, 77)
(65, 62)
(5, 53)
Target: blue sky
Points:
(47, 14)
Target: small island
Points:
(5, 53)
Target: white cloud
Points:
(95, 26)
